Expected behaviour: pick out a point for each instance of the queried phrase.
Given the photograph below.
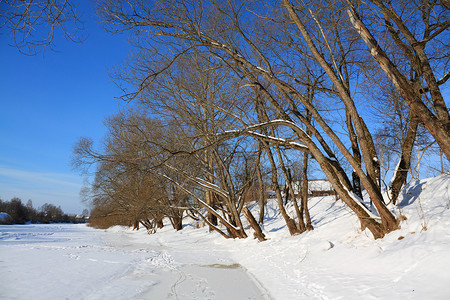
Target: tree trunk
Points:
(290, 223)
(211, 217)
(290, 191)
(401, 172)
(177, 222)
(356, 181)
(262, 196)
(159, 223)
(305, 209)
(251, 220)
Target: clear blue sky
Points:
(49, 101)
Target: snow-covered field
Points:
(77, 262)
(335, 261)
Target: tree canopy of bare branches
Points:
(33, 25)
(270, 76)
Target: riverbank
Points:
(334, 261)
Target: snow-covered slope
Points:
(338, 261)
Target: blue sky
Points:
(47, 102)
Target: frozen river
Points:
(77, 262)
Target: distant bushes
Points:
(47, 213)
(103, 218)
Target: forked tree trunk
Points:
(233, 232)
(290, 192)
(370, 179)
(388, 221)
(290, 223)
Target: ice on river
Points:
(78, 262)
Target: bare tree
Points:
(226, 30)
(123, 188)
(277, 53)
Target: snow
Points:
(317, 185)
(78, 262)
(261, 69)
(334, 261)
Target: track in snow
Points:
(77, 262)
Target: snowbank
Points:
(338, 261)
(6, 219)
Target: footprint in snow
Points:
(73, 256)
(111, 262)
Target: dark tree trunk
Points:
(251, 220)
(356, 181)
(177, 222)
(290, 223)
(212, 219)
(357, 185)
(404, 164)
(159, 223)
(305, 209)
(262, 196)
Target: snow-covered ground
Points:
(78, 262)
(335, 261)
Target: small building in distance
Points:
(316, 188)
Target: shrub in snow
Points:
(6, 219)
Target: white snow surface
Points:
(334, 261)
(318, 185)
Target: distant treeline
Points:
(47, 213)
